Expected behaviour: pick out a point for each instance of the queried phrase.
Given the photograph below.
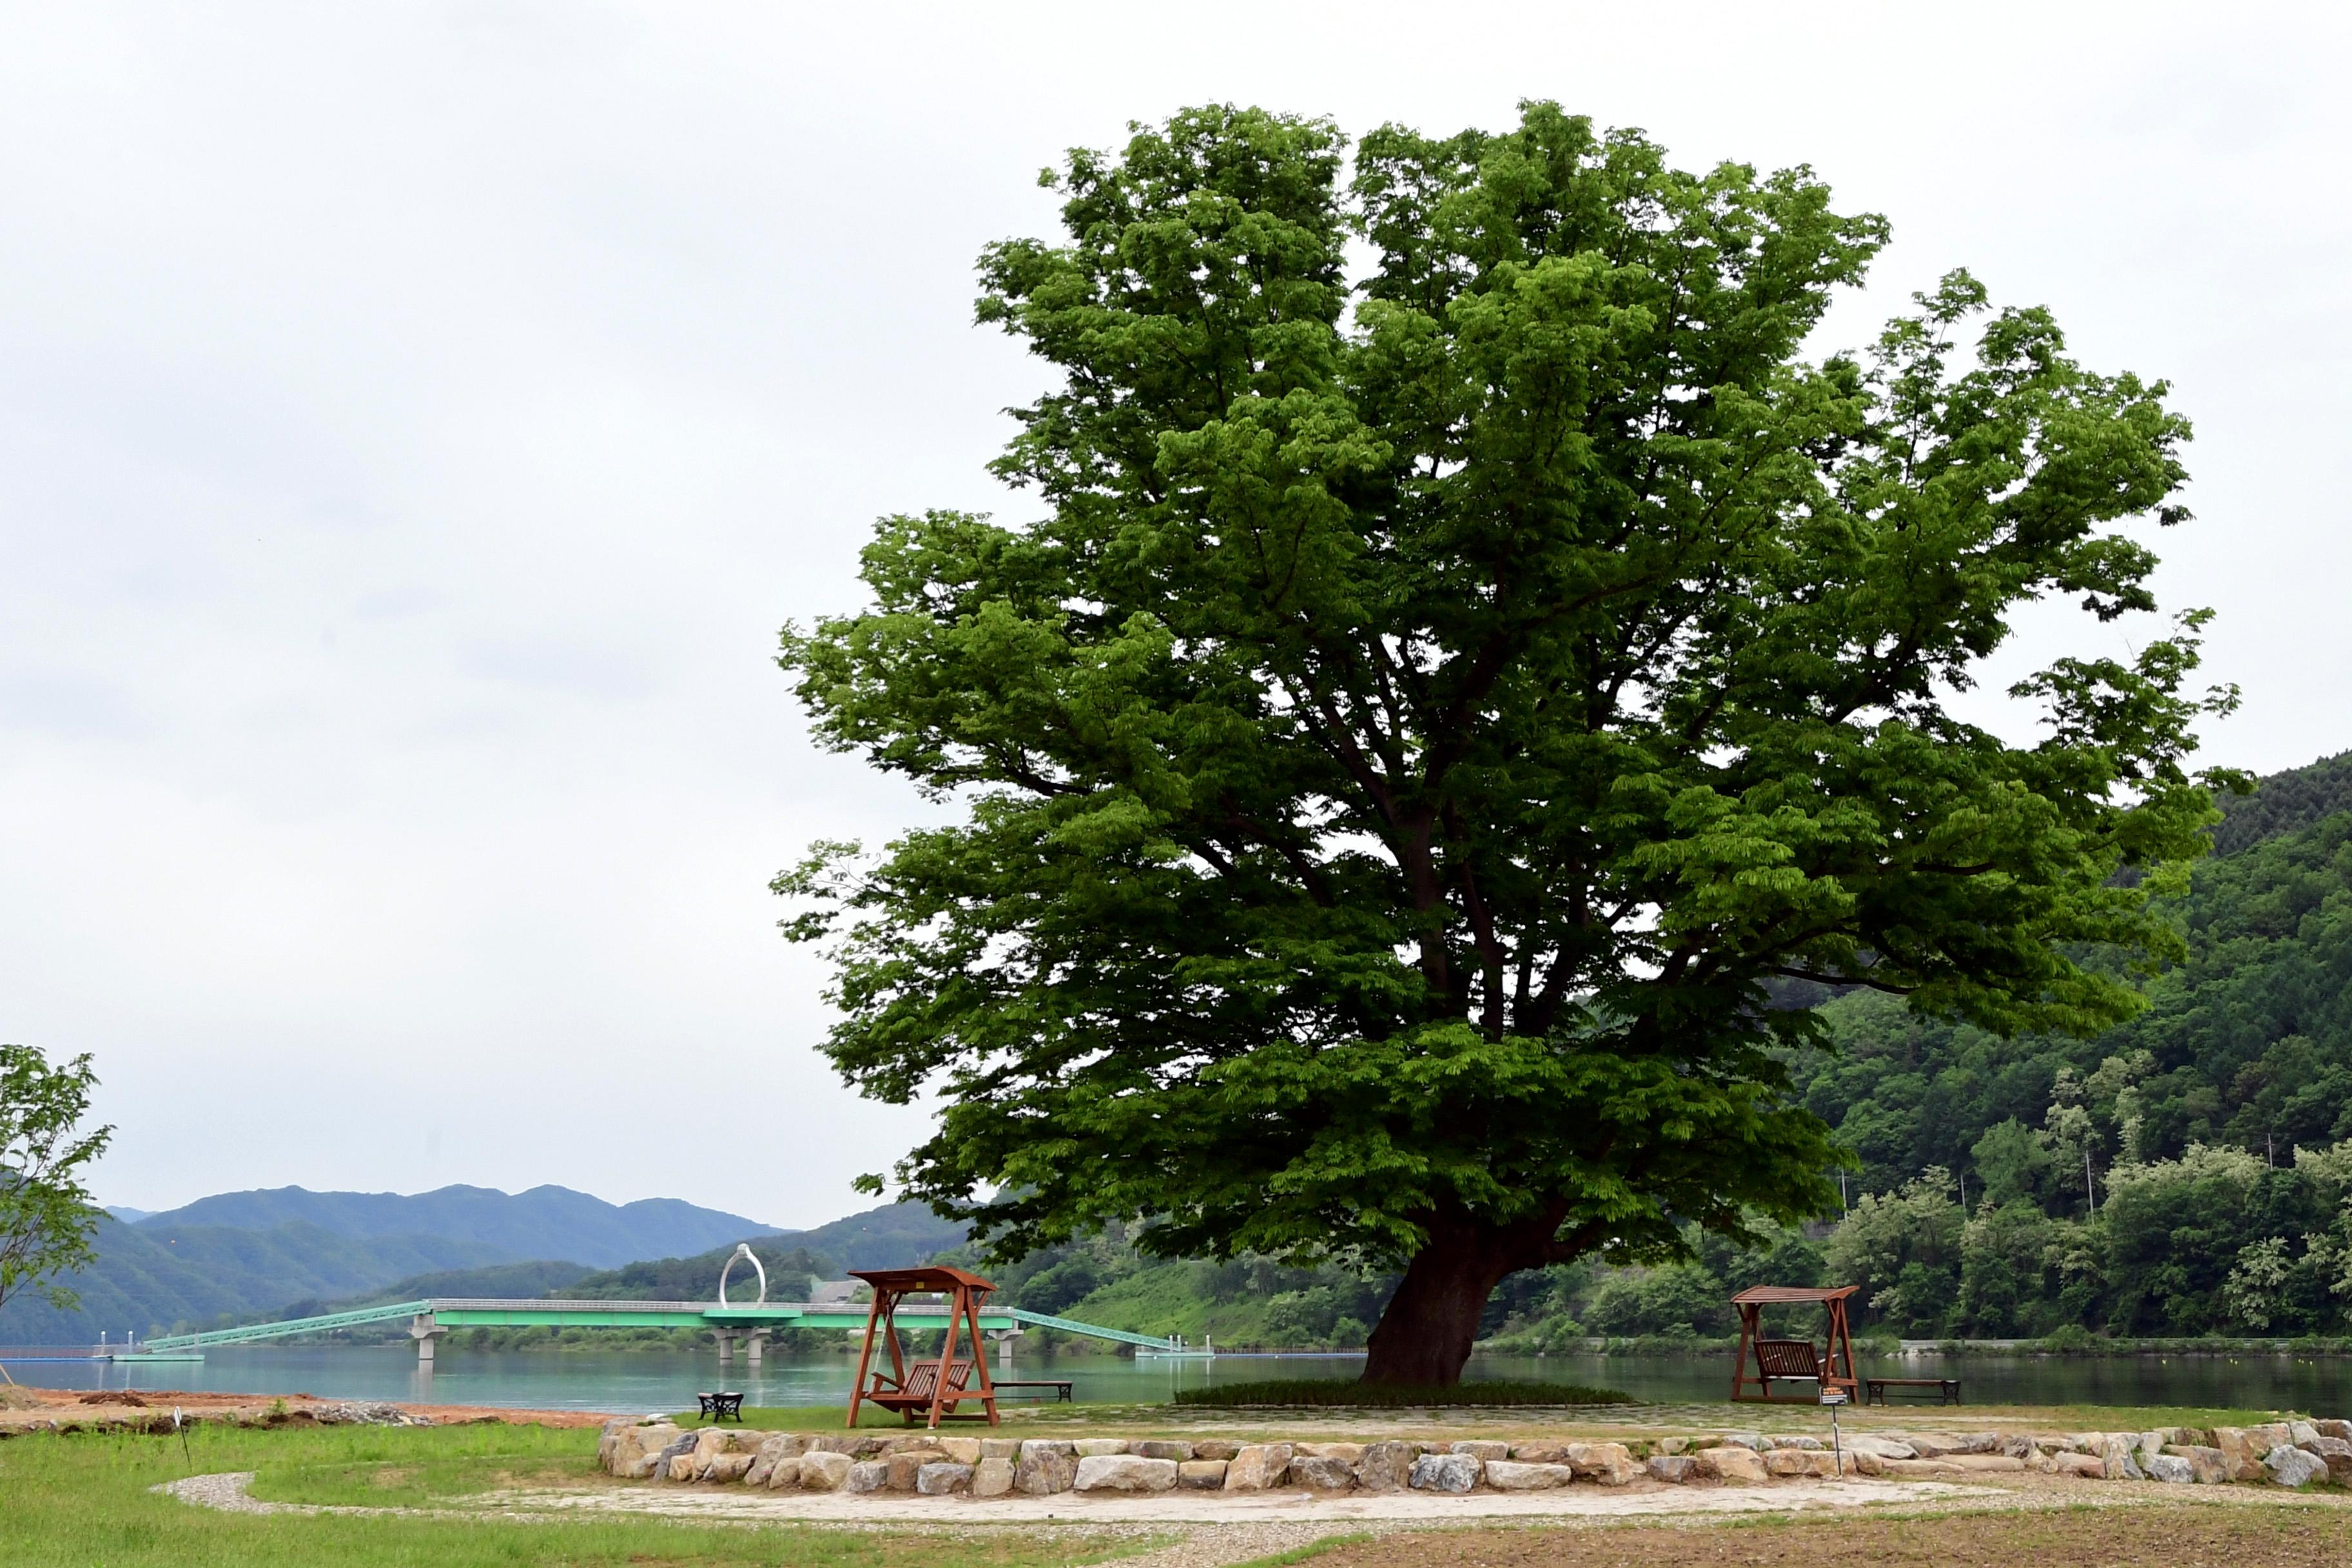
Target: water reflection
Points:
(594, 1380)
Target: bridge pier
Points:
(425, 1331)
(754, 1341)
(1005, 1338)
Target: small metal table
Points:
(1947, 1389)
(720, 1407)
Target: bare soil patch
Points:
(29, 1409)
(2290, 1535)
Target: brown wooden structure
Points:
(938, 1384)
(1764, 1361)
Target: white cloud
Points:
(415, 421)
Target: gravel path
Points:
(1201, 1546)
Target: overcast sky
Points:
(415, 421)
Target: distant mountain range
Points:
(545, 1222)
(289, 1252)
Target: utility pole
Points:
(2090, 1194)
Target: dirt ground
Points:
(27, 1409)
(2181, 1536)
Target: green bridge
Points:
(745, 1322)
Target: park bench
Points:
(1060, 1386)
(1947, 1389)
(720, 1407)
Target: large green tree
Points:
(1430, 706)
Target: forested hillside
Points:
(2185, 1174)
(153, 1282)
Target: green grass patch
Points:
(71, 1499)
(1321, 1393)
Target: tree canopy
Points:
(47, 1218)
(1429, 708)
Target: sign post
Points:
(1833, 1398)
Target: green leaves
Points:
(46, 1216)
(1418, 724)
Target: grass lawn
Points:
(82, 1499)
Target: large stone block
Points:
(2088, 1466)
(1885, 1447)
(2336, 1451)
(1124, 1473)
(1481, 1451)
(1200, 1475)
(867, 1476)
(1257, 1467)
(1000, 1447)
(725, 1467)
(2243, 1451)
(1442, 1472)
(1215, 1449)
(776, 1448)
(1737, 1464)
(1610, 1464)
(1161, 1448)
(1550, 1451)
(1786, 1462)
(1352, 1452)
(1386, 1467)
(1673, 1468)
(1798, 1440)
(943, 1478)
(1044, 1468)
(993, 1476)
(2115, 1453)
(961, 1451)
(905, 1466)
(2334, 1429)
(1517, 1476)
(2171, 1468)
(781, 1473)
(826, 1471)
(1322, 1473)
(1752, 1441)
(2294, 1468)
(2208, 1466)
(637, 1450)
(1099, 1448)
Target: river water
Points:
(654, 1380)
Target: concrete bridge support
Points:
(754, 1341)
(1005, 1338)
(425, 1331)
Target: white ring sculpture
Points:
(744, 1250)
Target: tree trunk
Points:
(1425, 1335)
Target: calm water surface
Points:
(588, 1380)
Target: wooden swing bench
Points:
(920, 1388)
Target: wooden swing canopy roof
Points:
(1791, 1295)
(931, 1276)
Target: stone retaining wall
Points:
(2292, 1454)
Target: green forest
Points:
(2185, 1174)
